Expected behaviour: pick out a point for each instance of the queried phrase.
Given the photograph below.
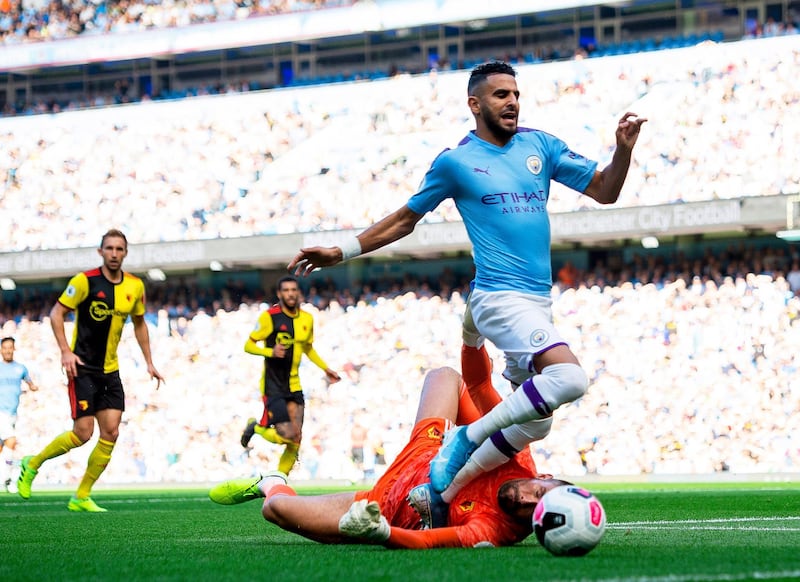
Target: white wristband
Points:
(350, 248)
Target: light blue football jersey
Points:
(501, 194)
(11, 376)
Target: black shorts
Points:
(276, 409)
(93, 391)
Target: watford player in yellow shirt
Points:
(286, 332)
(102, 300)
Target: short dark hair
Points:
(482, 71)
(113, 232)
(286, 279)
(7, 339)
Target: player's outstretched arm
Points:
(363, 521)
(606, 185)
(388, 230)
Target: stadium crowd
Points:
(181, 298)
(713, 386)
(36, 21)
(275, 162)
(47, 20)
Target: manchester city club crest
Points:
(534, 164)
(539, 337)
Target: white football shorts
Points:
(7, 423)
(519, 324)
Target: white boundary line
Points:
(781, 575)
(702, 521)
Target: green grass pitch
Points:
(666, 532)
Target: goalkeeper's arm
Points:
(443, 537)
(365, 521)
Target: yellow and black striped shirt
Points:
(296, 333)
(101, 310)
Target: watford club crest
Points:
(83, 404)
(435, 434)
(466, 506)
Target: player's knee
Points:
(276, 510)
(83, 433)
(110, 435)
(289, 433)
(569, 383)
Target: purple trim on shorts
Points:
(499, 441)
(542, 351)
(538, 403)
(550, 347)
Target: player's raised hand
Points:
(628, 129)
(312, 258)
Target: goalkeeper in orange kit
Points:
(494, 509)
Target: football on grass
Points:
(569, 521)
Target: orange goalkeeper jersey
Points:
(474, 516)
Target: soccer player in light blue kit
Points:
(499, 178)
(12, 375)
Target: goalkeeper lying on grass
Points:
(401, 510)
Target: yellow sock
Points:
(269, 433)
(288, 458)
(61, 444)
(98, 461)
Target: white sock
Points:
(495, 451)
(485, 458)
(535, 399)
(6, 464)
(268, 482)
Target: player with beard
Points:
(499, 177)
(287, 332)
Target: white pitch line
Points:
(785, 575)
(701, 521)
(707, 528)
(39, 502)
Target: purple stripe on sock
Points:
(502, 445)
(538, 403)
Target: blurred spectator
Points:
(793, 277)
